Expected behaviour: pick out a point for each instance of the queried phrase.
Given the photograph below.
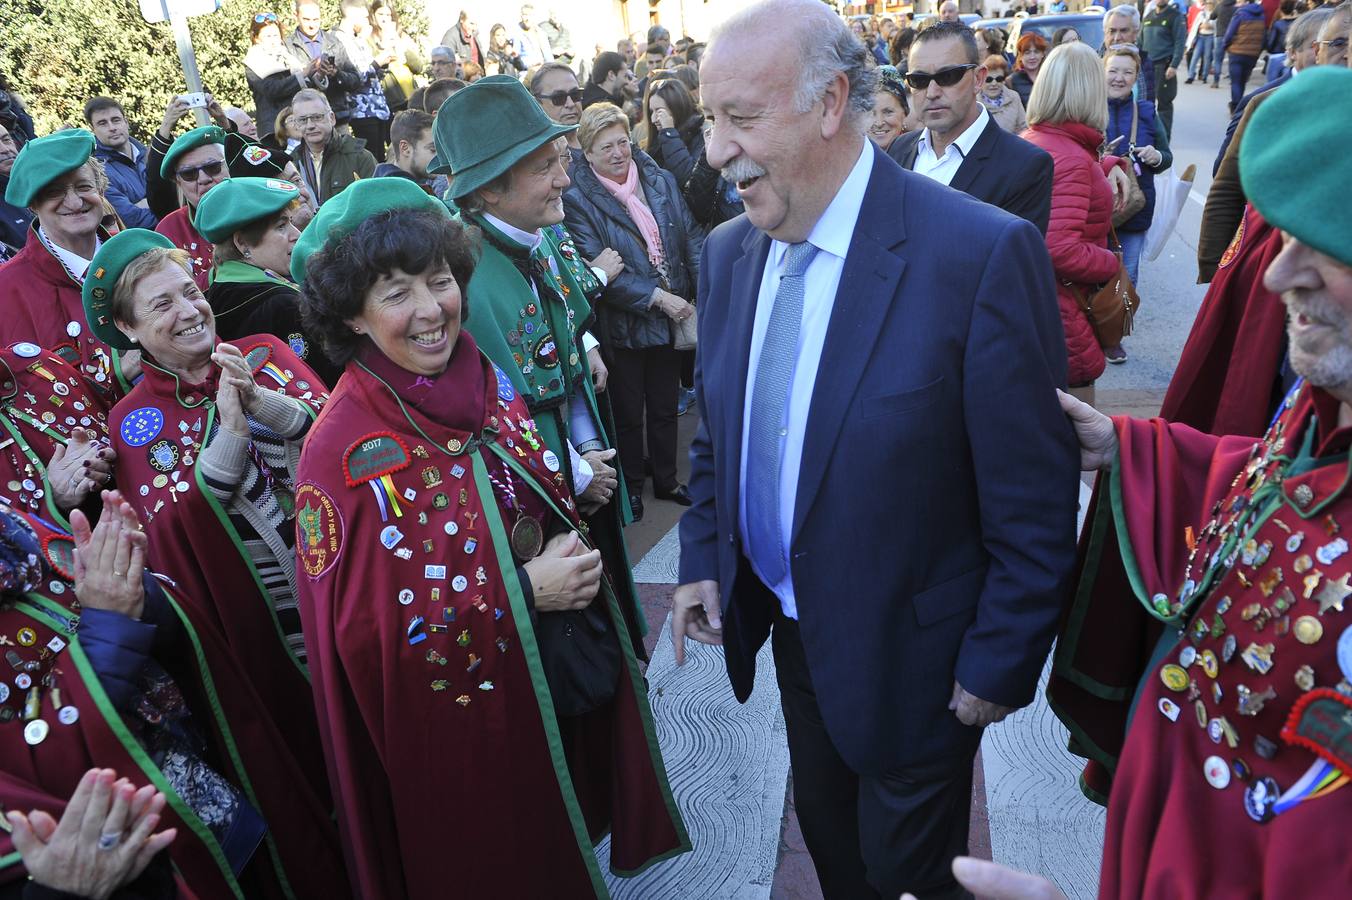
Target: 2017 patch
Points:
(68, 352)
(1321, 722)
(163, 456)
(373, 456)
(319, 530)
(60, 552)
(141, 426)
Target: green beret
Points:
(233, 204)
(198, 137)
(483, 130)
(45, 159)
(104, 270)
(1291, 159)
(343, 213)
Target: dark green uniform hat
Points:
(105, 269)
(45, 159)
(198, 137)
(483, 130)
(1291, 160)
(233, 204)
(341, 215)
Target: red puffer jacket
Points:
(1077, 236)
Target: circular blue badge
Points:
(142, 426)
(26, 350)
(1345, 652)
(505, 390)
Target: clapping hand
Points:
(81, 466)
(104, 840)
(110, 558)
(237, 394)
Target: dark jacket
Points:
(678, 148)
(597, 220)
(1147, 135)
(271, 95)
(936, 378)
(1164, 33)
(1276, 36)
(337, 87)
(711, 199)
(593, 93)
(1242, 105)
(1022, 85)
(1225, 201)
(465, 50)
(161, 192)
(245, 308)
(1225, 11)
(345, 160)
(1247, 32)
(14, 221)
(127, 184)
(1003, 170)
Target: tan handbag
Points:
(1135, 196)
(685, 334)
(1111, 309)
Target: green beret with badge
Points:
(104, 270)
(45, 159)
(341, 215)
(475, 156)
(1291, 158)
(198, 137)
(239, 202)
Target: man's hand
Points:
(1170, 73)
(599, 373)
(177, 109)
(603, 484)
(972, 710)
(217, 113)
(608, 261)
(992, 881)
(695, 613)
(1094, 431)
(1121, 185)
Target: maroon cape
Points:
(1217, 730)
(1229, 374)
(41, 400)
(157, 430)
(178, 227)
(300, 856)
(450, 769)
(40, 303)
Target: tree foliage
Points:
(59, 53)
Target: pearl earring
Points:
(248, 254)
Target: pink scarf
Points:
(630, 193)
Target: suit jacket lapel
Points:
(867, 290)
(974, 162)
(743, 295)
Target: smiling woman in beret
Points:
(207, 443)
(467, 649)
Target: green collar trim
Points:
(234, 271)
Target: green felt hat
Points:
(247, 159)
(483, 130)
(45, 159)
(198, 137)
(104, 270)
(1291, 159)
(342, 214)
(231, 205)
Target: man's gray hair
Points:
(1305, 29)
(826, 48)
(1126, 10)
(441, 51)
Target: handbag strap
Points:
(1135, 123)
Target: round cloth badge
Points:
(1345, 652)
(141, 426)
(319, 530)
(505, 390)
(26, 350)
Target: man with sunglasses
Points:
(961, 145)
(555, 86)
(196, 163)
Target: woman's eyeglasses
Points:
(995, 79)
(945, 77)
(189, 173)
(265, 17)
(558, 98)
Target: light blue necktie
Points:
(769, 416)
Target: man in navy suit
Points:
(883, 476)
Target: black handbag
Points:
(580, 655)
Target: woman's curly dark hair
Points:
(338, 276)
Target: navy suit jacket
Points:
(1003, 170)
(934, 528)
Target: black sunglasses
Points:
(558, 98)
(945, 77)
(990, 78)
(189, 173)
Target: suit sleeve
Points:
(1032, 199)
(1026, 461)
(699, 523)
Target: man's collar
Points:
(965, 141)
(524, 238)
(74, 262)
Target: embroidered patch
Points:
(163, 456)
(1233, 250)
(141, 426)
(60, 552)
(1321, 722)
(546, 353)
(319, 530)
(298, 346)
(257, 355)
(256, 154)
(26, 350)
(373, 456)
(505, 390)
(68, 352)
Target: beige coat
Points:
(1009, 114)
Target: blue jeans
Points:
(1202, 52)
(1133, 242)
(1240, 69)
(1218, 63)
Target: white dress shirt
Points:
(943, 168)
(831, 236)
(76, 263)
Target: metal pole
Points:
(183, 38)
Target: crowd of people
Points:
(324, 422)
